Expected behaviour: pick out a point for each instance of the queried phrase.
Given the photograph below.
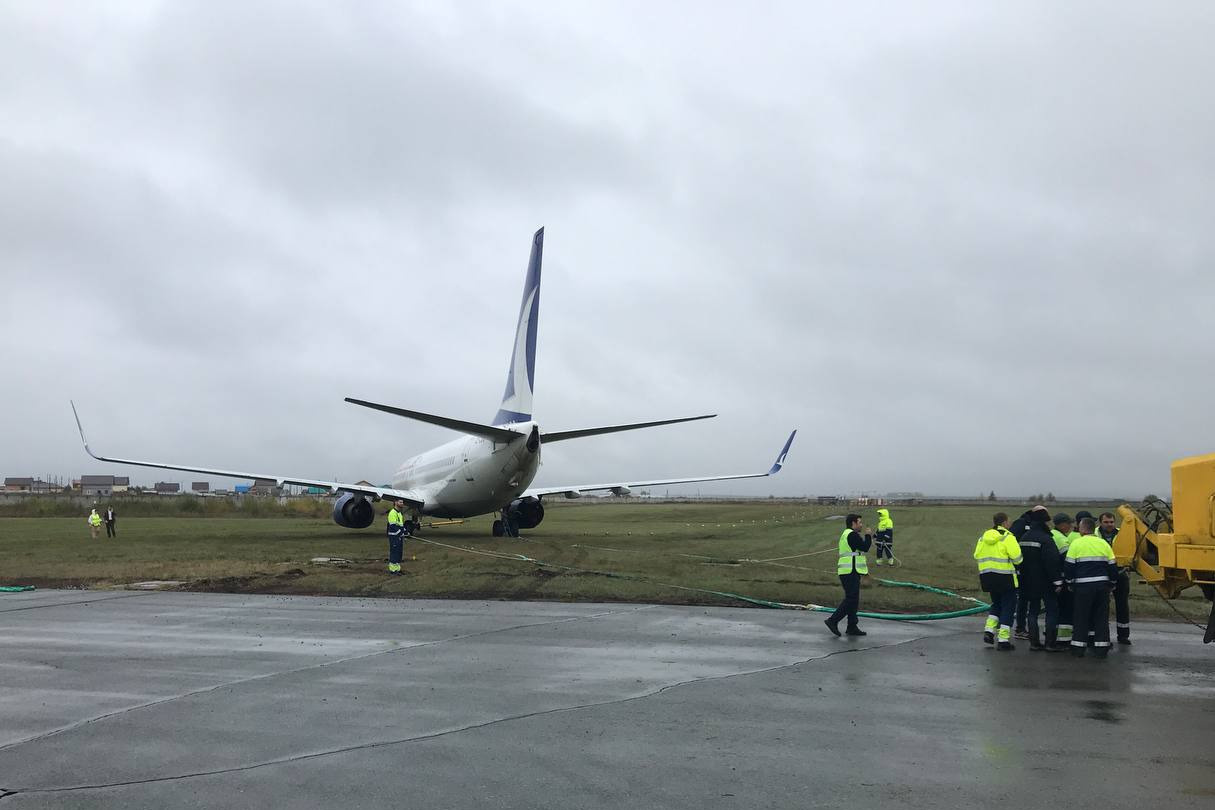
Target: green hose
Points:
(15, 588)
(980, 606)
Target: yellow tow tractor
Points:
(1173, 547)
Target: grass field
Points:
(703, 546)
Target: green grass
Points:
(699, 545)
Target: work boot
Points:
(1101, 652)
(1035, 641)
(989, 637)
(1020, 632)
(855, 631)
(1124, 638)
(1006, 646)
(833, 625)
(1077, 650)
(1052, 642)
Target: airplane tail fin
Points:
(517, 398)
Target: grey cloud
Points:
(961, 248)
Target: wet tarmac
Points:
(153, 699)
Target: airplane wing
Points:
(623, 487)
(409, 496)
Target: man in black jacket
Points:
(1108, 530)
(851, 567)
(1019, 527)
(1041, 578)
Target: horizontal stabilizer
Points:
(488, 431)
(412, 498)
(623, 487)
(548, 438)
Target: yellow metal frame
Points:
(1185, 556)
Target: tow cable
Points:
(980, 605)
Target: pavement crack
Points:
(280, 673)
(45, 606)
(461, 729)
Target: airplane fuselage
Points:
(471, 475)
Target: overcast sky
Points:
(960, 247)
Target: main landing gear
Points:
(505, 526)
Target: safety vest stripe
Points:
(1088, 559)
(990, 570)
(994, 559)
(1030, 544)
(1081, 580)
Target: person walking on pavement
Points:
(1092, 572)
(111, 522)
(854, 542)
(1064, 535)
(94, 521)
(998, 554)
(1107, 531)
(396, 537)
(1019, 527)
(884, 539)
(1041, 579)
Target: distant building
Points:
(200, 487)
(97, 486)
(828, 500)
(265, 486)
(167, 488)
(242, 489)
(18, 484)
(121, 483)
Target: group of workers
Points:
(1028, 568)
(1067, 571)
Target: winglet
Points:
(780, 459)
(81, 429)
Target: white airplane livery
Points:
(487, 470)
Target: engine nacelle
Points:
(526, 513)
(353, 511)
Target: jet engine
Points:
(353, 511)
(526, 513)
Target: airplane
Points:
(491, 467)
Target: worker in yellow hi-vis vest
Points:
(94, 521)
(396, 537)
(998, 554)
(854, 542)
(884, 538)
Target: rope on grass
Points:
(767, 603)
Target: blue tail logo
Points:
(520, 380)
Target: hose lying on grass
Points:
(980, 606)
(15, 588)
